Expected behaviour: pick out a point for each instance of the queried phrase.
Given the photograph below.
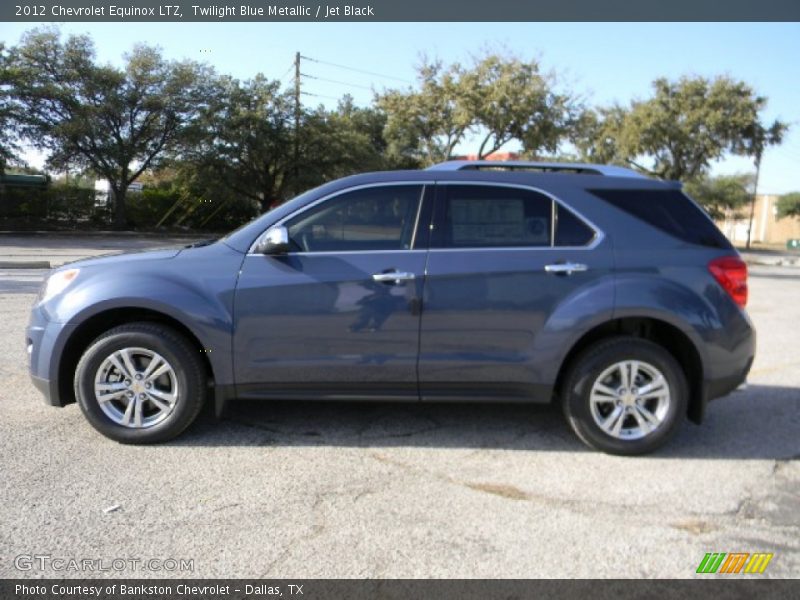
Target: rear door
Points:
(339, 315)
(502, 259)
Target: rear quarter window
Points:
(670, 211)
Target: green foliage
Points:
(428, 124)
(61, 204)
(116, 122)
(682, 129)
(499, 98)
(8, 116)
(181, 205)
(724, 196)
(509, 99)
(244, 138)
(789, 205)
(345, 141)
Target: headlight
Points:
(57, 283)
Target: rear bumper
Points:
(725, 385)
(721, 386)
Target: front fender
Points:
(196, 289)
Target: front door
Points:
(338, 316)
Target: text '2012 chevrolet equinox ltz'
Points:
(593, 286)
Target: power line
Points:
(787, 153)
(289, 70)
(319, 96)
(355, 70)
(336, 81)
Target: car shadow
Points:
(761, 422)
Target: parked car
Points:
(593, 286)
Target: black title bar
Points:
(55, 11)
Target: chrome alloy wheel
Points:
(136, 387)
(630, 400)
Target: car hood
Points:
(112, 259)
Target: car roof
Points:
(543, 179)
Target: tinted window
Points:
(670, 211)
(489, 216)
(376, 218)
(570, 230)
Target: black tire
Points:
(590, 364)
(189, 381)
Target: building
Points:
(102, 190)
(767, 228)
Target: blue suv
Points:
(592, 286)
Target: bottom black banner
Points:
(394, 589)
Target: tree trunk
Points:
(753, 203)
(120, 218)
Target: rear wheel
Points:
(625, 395)
(140, 383)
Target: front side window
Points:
(374, 218)
(493, 216)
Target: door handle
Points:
(396, 277)
(567, 268)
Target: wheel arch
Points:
(95, 325)
(659, 331)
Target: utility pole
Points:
(296, 121)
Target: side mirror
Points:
(274, 241)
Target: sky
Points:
(602, 62)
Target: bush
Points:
(789, 205)
(68, 206)
(146, 208)
(61, 204)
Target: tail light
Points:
(731, 273)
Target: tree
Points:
(8, 117)
(789, 205)
(724, 196)
(244, 137)
(681, 130)
(344, 141)
(757, 138)
(115, 122)
(509, 99)
(498, 98)
(430, 122)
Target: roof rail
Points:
(555, 167)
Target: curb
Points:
(790, 265)
(31, 264)
(111, 233)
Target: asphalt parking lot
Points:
(396, 490)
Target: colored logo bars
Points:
(734, 562)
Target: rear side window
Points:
(570, 230)
(671, 211)
(494, 216)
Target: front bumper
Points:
(45, 341)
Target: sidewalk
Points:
(772, 258)
(44, 250)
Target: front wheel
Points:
(625, 395)
(140, 383)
